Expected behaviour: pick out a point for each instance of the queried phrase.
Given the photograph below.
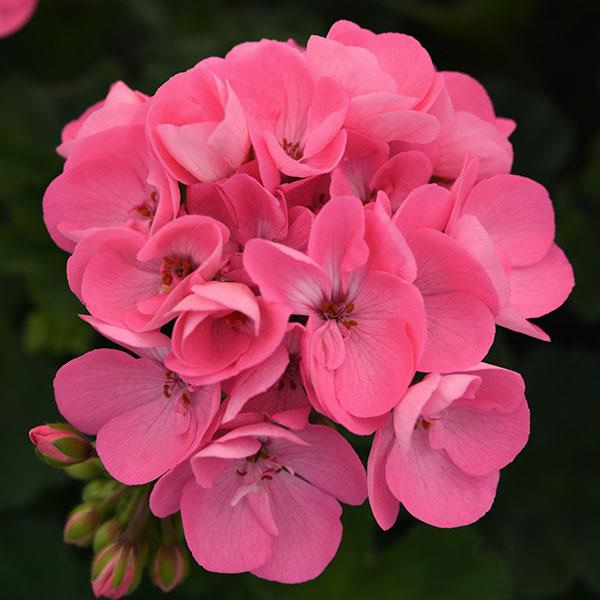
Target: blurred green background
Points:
(539, 59)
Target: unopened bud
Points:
(106, 534)
(99, 490)
(170, 565)
(60, 445)
(116, 570)
(88, 469)
(82, 523)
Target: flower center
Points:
(174, 269)
(147, 209)
(292, 149)
(236, 319)
(268, 465)
(339, 311)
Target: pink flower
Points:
(145, 417)
(223, 329)
(135, 282)
(249, 211)
(469, 127)
(365, 326)
(366, 169)
(272, 390)
(459, 297)
(507, 223)
(110, 179)
(60, 445)
(197, 126)
(387, 77)
(265, 500)
(14, 14)
(296, 128)
(441, 453)
(118, 108)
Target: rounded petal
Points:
(433, 489)
(310, 531)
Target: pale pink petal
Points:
(166, 492)
(102, 384)
(355, 69)
(384, 505)
(540, 288)
(510, 317)
(336, 239)
(309, 527)
(222, 537)
(433, 489)
(400, 175)
(481, 442)
(144, 442)
(329, 463)
(469, 95)
(14, 14)
(286, 276)
(426, 206)
(517, 213)
(468, 134)
(383, 348)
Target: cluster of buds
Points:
(114, 519)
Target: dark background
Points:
(539, 59)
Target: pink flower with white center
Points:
(223, 329)
(197, 126)
(441, 453)
(14, 14)
(366, 168)
(131, 281)
(366, 326)
(386, 76)
(296, 128)
(146, 419)
(507, 223)
(120, 107)
(110, 179)
(265, 500)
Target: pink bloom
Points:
(365, 326)
(467, 94)
(386, 76)
(14, 14)
(197, 126)
(441, 454)
(296, 128)
(118, 108)
(145, 417)
(110, 179)
(222, 330)
(249, 211)
(468, 129)
(265, 500)
(135, 282)
(273, 389)
(507, 223)
(459, 297)
(366, 169)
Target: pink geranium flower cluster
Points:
(292, 242)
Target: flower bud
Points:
(170, 565)
(116, 570)
(60, 445)
(106, 534)
(99, 490)
(81, 524)
(88, 469)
